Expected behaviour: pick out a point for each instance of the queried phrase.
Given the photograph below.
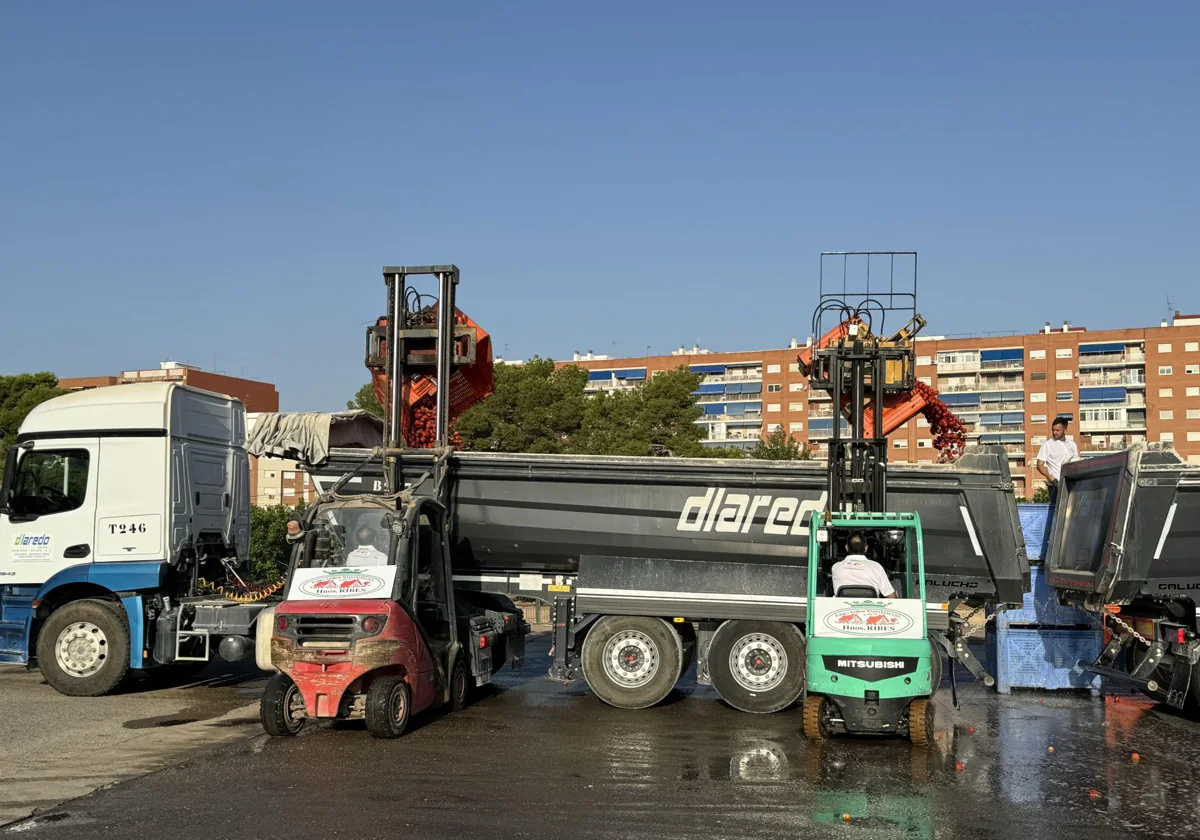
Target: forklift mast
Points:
(862, 371)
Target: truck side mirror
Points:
(10, 469)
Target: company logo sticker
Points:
(345, 583)
(868, 618)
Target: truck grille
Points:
(325, 628)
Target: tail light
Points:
(372, 624)
(1180, 636)
(281, 623)
(483, 642)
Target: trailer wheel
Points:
(282, 706)
(920, 721)
(83, 648)
(388, 707)
(460, 685)
(757, 666)
(631, 662)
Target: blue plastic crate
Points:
(1040, 606)
(1041, 658)
(1035, 520)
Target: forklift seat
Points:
(857, 591)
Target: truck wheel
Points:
(935, 667)
(282, 706)
(817, 712)
(460, 685)
(631, 662)
(83, 648)
(388, 707)
(920, 721)
(757, 666)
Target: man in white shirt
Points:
(1053, 454)
(367, 554)
(856, 569)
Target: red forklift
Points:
(371, 626)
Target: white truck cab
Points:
(114, 502)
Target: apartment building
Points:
(1116, 386)
(255, 395)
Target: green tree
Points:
(660, 412)
(1042, 495)
(269, 548)
(19, 395)
(533, 408)
(724, 452)
(365, 400)
(780, 446)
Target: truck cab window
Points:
(49, 481)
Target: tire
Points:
(389, 704)
(935, 667)
(920, 721)
(83, 648)
(631, 662)
(757, 666)
(280, 707)
(460, 685)
(816, 717)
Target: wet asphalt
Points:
(532, 758)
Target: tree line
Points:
(541, 408)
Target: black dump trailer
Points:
(650, 562)
(1125, 544)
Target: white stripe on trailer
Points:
(966, 515)
(690, 596)
(1162, 538)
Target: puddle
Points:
(156, 722)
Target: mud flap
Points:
(958, 651)
(516, 646)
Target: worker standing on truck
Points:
(856, 569)
(1053, 454)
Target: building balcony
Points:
(1122, 425)
(1129, 357)
(1009, 405)
(719, 379)
(816, 395)
(1125, 379)
(823, 411)
(999, 366)
(960, 367)
(994, 428)
(1014, 450)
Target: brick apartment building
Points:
(1117, 387)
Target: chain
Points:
(1125, 626)
(971, 631)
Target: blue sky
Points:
(221, 183)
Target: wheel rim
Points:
(293, 707)
(81, 649)
(460, 683)
(758, 662)
(825, 717)
(631, 658)
(397, 705)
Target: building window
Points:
(774, 427)
(1193, 391)
(270, 475)
(773, 369)
(924, 444)
(289, 491)
(795, 406)
(287, 475)
(899, 444)
(1191, 369)
(1064, 374)
(1193, 437)
(1166, 392)
(926, 380)
(1037, 418)
(774, 389)
(796, 386)
(1063, 353)
(1063, 396)
(1166, 370)
(1037, 440)
(1037, 354)
(794, 367)
(1192, 347)
(1164, 348)
(922, 423)
(1193, 414)
(1166, 414)
(1039, 397)
(773, 407)
(795, 426)
(1166, 437)
(924, 360)
(1037, 377)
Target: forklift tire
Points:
(935, 667)
(277, 709)
(631, 662)
(83, 648)
(460, 685)
(388, 706)
(757, 666)
(920, 721)
(816, 713)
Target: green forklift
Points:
(871, 667)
